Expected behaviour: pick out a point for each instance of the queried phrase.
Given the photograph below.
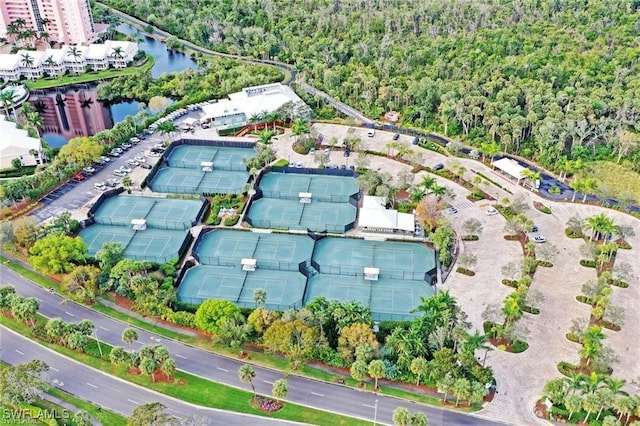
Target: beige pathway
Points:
(520, 377)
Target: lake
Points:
(72, 111)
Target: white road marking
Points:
(21, 353)
(102, 328)
(54, 369)
(268, 382)
(69, 313)
(370, 406)
(135, 402)
(92, 385)
(316, 393)
(223, 369)
(180, 356)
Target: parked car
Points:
(134, 140)
(104, 160)
(126, 145)
(534, 228)
(347, 152)
(100, 186)
(343, 167)
(132, 162)
(146, 166)
(437, 167)
(119, 173)
(299, 165)
(539, 239)
(125, 169)
(371, 133)
(118, 149)
(112, 183)
(78, 177)
(491, 211)
(396, 136)
(139, 158)
(114, 153)
(312, 151)
(88, 170)
(451, 210)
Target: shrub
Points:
(185, 319)
(502, 347)
(230, 221)
(464, 271)
(510, 283)
(216, 221)
(573, 234)
(519, 346)
(545, 263)
(555, 190)
(619, 283)
(572, 337)
(282, 162)
(588, 263)
(470, 238)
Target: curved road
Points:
(303, 391)
(110, 392)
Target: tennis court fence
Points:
(288, 195)
(355, 271)
(262, 263)
(157, 224)
(309, 227)
(227, 165)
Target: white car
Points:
(539, 239)
(451, 210)
(119, 173)
(132, 162)
(88, 170)
(100, 186)
(139, 158)
(104, 159)
(125, 169)
(491, 211)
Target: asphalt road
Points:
(109, 392)
(327, 396)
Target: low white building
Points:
(375, 217)
(16, 143)
(510, 167)
(250, 102)
(32, 64)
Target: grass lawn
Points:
(47, 83)
(197, 390)
(621, 182)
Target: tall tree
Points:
(246, 373)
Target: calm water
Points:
(73, 110)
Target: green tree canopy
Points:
(81, 151)
(211, 313)
(58, 253)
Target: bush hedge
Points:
(464, 271)
(588, 263)
(470, 238)
(232, 220)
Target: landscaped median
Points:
(187, 387)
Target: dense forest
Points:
(543, 78)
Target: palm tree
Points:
(26, 60)
(6, 99)
(401, 417)
(247, 374)
(280, 388)
(428, 182)
(419, 367)
(76, 54)
(601, 225)
(259, 296)
(300, 127)
(624, 405)
(377, 371)
(573, 403)
(417, 194)
(117, 53)
(129, 335)
(50, 62)
(35, 121)
(167, 128)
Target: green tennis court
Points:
(223, 158)
(96, 235)
(156, 245)
(285, 289)
(273, 251)
(194, 181)
(339, 287)
(287, 186)
(391, 298)
(165, 213)
(350, 256)
(291, 214)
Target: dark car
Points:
(396, 136)
(146, 166)
(437, 167)
(347, 152)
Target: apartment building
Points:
(66, 21)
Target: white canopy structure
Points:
(371, 274)
(139, 224)
(375, 217)
(510, 167)
(248, 264)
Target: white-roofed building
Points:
(375, 217)
(510, 167)
(251, 101)
(75, 59)
(16, 143)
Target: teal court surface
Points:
(148, 228)
(202, 169)
(294, 269)
(297, 201)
